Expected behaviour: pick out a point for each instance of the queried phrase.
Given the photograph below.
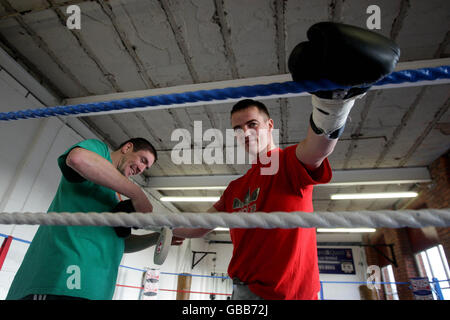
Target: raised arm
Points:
(349, 56)
(314, 149)
(135, 243)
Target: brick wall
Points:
(435, 195)
(403, 256)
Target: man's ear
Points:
(127, 147)
(270, 123)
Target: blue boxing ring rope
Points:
(261, 90)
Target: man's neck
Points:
(115, 158)
(269, 148)
(263, 153)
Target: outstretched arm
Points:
(314, 149)
(136, 243)
(193, 233)
(349, 56)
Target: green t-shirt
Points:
(78, 261)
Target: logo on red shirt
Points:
(244, 205)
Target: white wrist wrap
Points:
(329, 115)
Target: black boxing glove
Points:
(123, 206)
(348, 56)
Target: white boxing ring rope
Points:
(285, 220)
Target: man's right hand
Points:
(130, 205)
(142, 204)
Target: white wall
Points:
(179, 260)
(29, 175)
(144, 259)
(216, 264)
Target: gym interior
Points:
(80, 53)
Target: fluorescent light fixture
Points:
(347, 230)
(189, 199)
(380, 195)
(221, 229)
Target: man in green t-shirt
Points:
(81, 262)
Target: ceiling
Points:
(129, 45)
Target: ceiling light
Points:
(380, 195)
(221, 229)
(189, 199)
(349, 230)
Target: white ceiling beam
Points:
(238, 83)
(340, 178)
(26, 80)
(42, 94)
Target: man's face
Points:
(133, 163)
(253, 129)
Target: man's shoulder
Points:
(92, 142)
(94, 145)
(288, 149)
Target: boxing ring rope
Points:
(285, 220)
(261, 90)
(435, 281)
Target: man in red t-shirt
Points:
(272, 263)
(282, 263)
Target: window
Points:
(390, 288)
(433, 265)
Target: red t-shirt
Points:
(276, 263)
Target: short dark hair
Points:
(141, 144)
(248, 103)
